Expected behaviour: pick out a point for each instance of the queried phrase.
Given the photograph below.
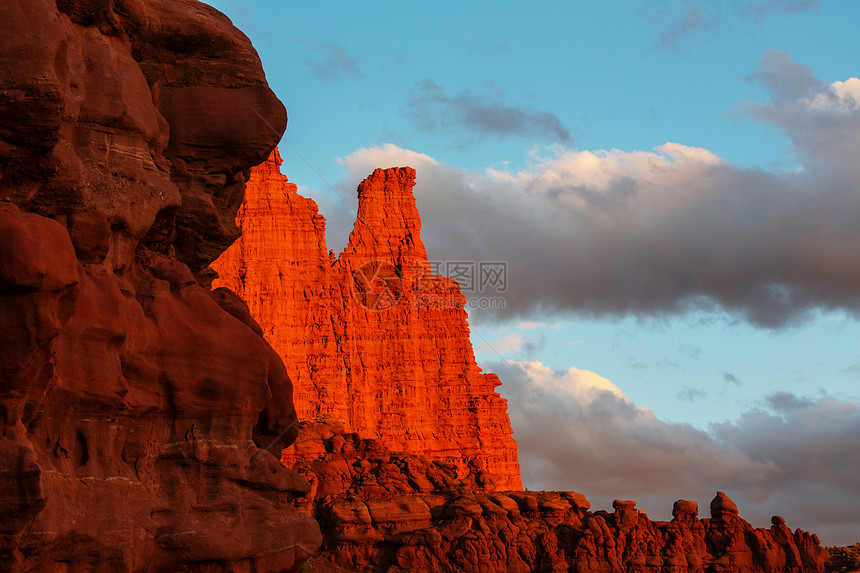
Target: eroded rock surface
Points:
(408, 451)
(371, 338)
(388, 512)
(139, 411)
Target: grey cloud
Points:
(690, 350)
(679, 22)
(854, 370)
(784, 402)
(432, 109)
(814, 444)
(731, 378)
(799, 462)
(691, 394)
(761, 8)
(826, 136)
(683, 22)
(613, 233)
(330, 62)
(532, 347)
(635, 364)
(786, 79)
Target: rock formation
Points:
(408, 450)
(381, 511)
(139, 411)
(372, 339)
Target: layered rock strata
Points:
(139, 411)
(372, 338)
(381, 511)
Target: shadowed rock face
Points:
(139, 411)
(147, 112)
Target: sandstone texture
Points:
(388, 512)
(405, 445)
(139, 411)
(372, 339)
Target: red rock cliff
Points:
(386, 512)
(138, 410)
(372, 338)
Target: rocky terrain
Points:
(387, 498)
(139, 411)
(384, 511)
(371, 338)
(843, 559)
(143, 413)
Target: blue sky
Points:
(672, 186)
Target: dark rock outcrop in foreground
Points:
(387, 512)
(139, 411)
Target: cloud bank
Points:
(798, 457)
(611, 232)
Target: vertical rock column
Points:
(371, 339)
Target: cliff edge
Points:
(139, 411)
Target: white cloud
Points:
(841, 96)
(508, 344)
(582, 385)
(602, 170)
(384, 156)
(848, 91)
(530, 324)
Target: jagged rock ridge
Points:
(386, 512)
(138, 410)
(371, 338)
(392, 501)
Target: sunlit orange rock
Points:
(371, 338)
(383, 511)
(405, 444)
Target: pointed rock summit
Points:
(405, 439)
(372, 339)
(388, 226)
